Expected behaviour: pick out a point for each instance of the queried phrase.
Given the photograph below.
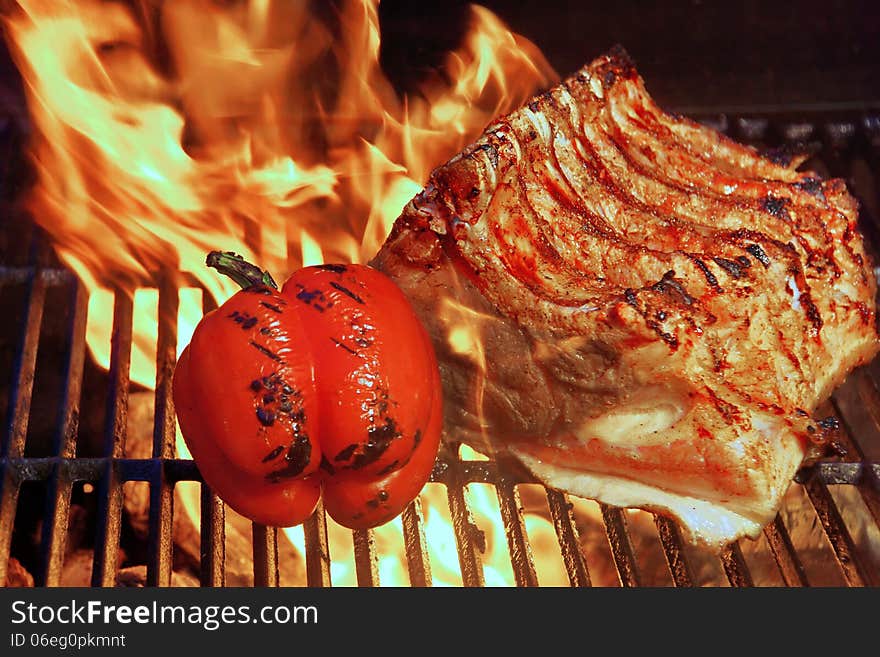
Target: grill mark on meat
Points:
(595, 222)
(564, 199)
(607, 182)
(735, 269)
(553, 258)
(758, 252)
(668, 282)
(728, 411)
(710, 277)
(813, 187)
(789, 354)
(764, 190)
(776, 206)
(648, 175)
(571, 201)
(718, 203)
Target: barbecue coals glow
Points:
(162, 131)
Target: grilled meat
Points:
(637, 308)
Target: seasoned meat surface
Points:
(637, 308)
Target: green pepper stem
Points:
(239, 269)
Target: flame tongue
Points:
(256, 127)
(278, 136)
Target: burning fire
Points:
(259, 127)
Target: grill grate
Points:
(846, 146)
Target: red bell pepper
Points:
(330, 384)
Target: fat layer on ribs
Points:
(640, 310)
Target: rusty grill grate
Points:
(845, 145)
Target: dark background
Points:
(693, 54)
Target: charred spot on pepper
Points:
(388, 469)
(346, 453)
(347, 292)
(275, 308)
(258, 289)
(256, 385)
(379, 439)
(314, 298)
(274, 454)
(265, 351)
(244, 320)
(341, 344)
(265, 416)
(296, 459)
(299, 452)
(336, 269)
(326, 466)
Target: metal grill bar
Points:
(418, 563)
(517, 540)
(868, 398)
(790, 566)
(465, 533)
(212, 549)
(621, 546)
(161, 489)
(836, 531)
(60, 484)
(676, 558)
(212, 553)
(110, 487)
(569, 538)
(317, 548)
(265, 555)
(366, 562)
(20, 399)
(735, 566)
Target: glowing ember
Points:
(261, 129)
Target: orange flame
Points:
(259, 127)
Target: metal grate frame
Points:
(846, 145)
